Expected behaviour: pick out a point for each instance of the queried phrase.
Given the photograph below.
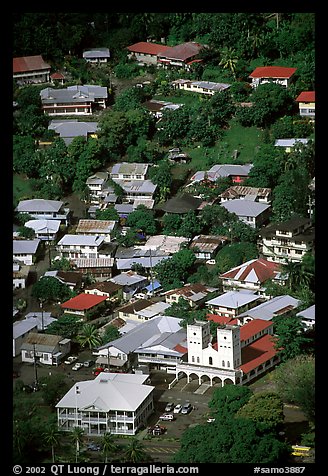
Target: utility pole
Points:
(42, 324)
(108, 359)
(36, 383)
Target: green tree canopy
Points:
(295, 381)
(89, 336)
(142, 219)
(234, 255)
(66, 326)
(111, 333)
(49, 288)
(221, 442)
(229, 399)
(264, 408)
(291, 337)
(173, 271)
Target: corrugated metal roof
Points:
(25, 64)
(83, 302)
(270, 308)
(272, 72)
(108, 391)
(147, 48)
(306, 96)
(245, 207)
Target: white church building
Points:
(240, 353)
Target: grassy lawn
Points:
(21, 188)
(244, 139)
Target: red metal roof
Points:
(29, 63)
(57, 76)
(182, 52)
(272, 72)
(257, 353)
(219, 319)
(262, 268)
(83, 302)
(252, 327)
(180, 348)
(147, 48)
(306, 96)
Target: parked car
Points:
(77, 366)
(169, 407)
(166, 416)
(156, 430)
(70, 360)
(98, 370)
(93, 446)
(210, 420)
(177, 408)
(186, 408)
(88, 363)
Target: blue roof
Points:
(153, 286)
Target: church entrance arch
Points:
(217, 382)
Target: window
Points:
(223, 365)
(198, 360)
(210, 361)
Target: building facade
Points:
(113, 403)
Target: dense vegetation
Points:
(209, 129)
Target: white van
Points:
(166, 416)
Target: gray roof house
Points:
(142, 310)
(202, 87)
(74, 100)
(232, 303)
(289, 144)
(69, 129)
(268, 309)
(157, 333)
(42, 319)
(307, 317)
(80, 246)
(96, 55)
(46, 348)
(129, 171)
(26, 250)
(110, 403)
(45, 230)
(20, 330)
(131, 282)
(137, 189)
(148, 258)
(42, 209)
(235, 171)
(252, 213)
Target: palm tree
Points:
(229, 59)
(89, 335)
(77, 436)
(135, 453)
(51, 437)
(108, 445)
(299, 275)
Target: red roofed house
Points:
(82, 303)
(306, 104)
(239, 354)
(271, 74)
(31, 69)
(145, 52)
(251, 275)
(180, 55)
